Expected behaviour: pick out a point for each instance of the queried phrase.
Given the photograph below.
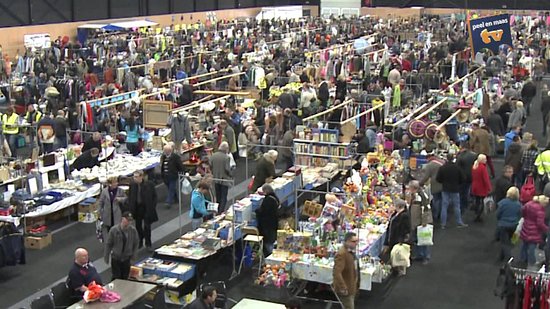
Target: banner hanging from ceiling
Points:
(490, 32)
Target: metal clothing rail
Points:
(363, 113)
(328, 110)
(197, 104)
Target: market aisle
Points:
(45, 267)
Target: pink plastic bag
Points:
(109, 296)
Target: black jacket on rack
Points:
(12, 250)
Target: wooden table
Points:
(130, 292)
(247, 303)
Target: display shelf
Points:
(318, 153)
(324, 155)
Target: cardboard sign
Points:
(490, 32)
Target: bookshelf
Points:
(319, 153)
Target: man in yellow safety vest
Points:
(10, 129)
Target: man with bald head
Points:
(82, 273)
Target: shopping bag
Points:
(517, 232)
(186, 187)
(528, 190)
(232, 163)
(488, 204)
(251, 184)
(425, 235)
(400, 255)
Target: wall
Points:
(385, 12)
(11, 38)
(340, 7)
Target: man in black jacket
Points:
(142, 200)
(528, 92)
(503, 183)
(93, 142)
(451, 177)
(88, 158)
(267, 218)
(465, 160)
(170, 167)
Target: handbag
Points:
(528, 190)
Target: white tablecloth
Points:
(247, 303)
(62, 204)
(320, 273)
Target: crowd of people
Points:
(53, 89)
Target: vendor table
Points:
(247, 303)
(49, 209)
(130, 292)
(321, 273)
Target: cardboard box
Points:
(38, 243)
(30, 223)
(87, 207)
(88, 217)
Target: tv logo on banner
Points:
(490, 32)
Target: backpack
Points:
(527, 191)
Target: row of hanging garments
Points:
(12, 249)
(523, 289)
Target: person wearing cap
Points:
(121, 247)
(265, 169)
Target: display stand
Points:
(181, 176)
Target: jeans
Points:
(448, 198)
(420, 252)
(12, 142)
(528, 253)
(120, 269)
(143, 227)
(172, 195)
(505, 236)
(464, 196)
(436, 205)
(221, 196)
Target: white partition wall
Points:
(340, 7)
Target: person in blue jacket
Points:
(198, 204)
(508, 215)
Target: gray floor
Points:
(461, 275)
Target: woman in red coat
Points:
(481, 184)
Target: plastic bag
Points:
(232, 163)
(186, 187)
(93, 292)
(425, 235)
(488, 204)
(400, 255)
